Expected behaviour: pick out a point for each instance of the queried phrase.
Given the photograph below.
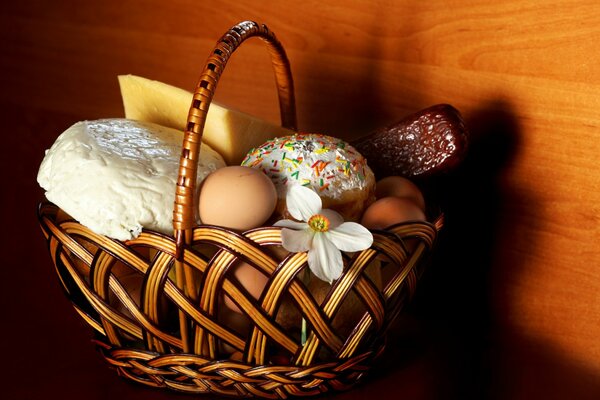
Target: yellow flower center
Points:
(319, 223)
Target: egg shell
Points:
(399, 186)
(237, 197)
(238, 323)
(132, 282)
(391, 210)
(251, 279)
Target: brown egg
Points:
(398, 186)
(251, 279)
(237, 197)
(391, 210)
(350, 312)
(132, 282)
(238, 323)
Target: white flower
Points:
(323, 233)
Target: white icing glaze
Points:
(327, 164)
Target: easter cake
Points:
(330, 166)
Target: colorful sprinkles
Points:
(328, 164)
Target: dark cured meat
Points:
(433, 140)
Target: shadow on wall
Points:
(449, 325)
(440, 347)
(455, 331)
(455, 296)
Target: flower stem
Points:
(305, 277)
(304, 332)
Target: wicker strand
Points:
(183, 213)
(185, 202)
(194, 374)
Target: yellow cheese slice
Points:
(229, 132)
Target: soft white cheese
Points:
(117, 176)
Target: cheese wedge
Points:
(231, 133)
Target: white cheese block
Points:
(117, 176)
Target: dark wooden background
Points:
(510, 309)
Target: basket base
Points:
(194, 374)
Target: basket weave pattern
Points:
(174, 334)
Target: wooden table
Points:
(510, 308)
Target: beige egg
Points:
(132, 283)
(391, 210)
(236, 197)
(398, 186)
(349, 313)
(251, 279)
(238, 323)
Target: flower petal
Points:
(324, 260)
(335, 218)
(288, 223)
(351, 236)
(296, 241)
(302, 202)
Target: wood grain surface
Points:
(510, 308)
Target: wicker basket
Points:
(176, 334)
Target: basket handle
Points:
(183, 212)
